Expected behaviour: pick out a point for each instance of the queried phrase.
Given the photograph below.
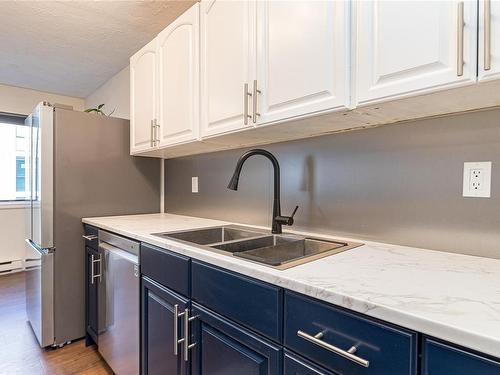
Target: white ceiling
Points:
(72, 47)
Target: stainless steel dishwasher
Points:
(118, 336)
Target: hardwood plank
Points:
(20, 352)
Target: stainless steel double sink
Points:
(280, 251)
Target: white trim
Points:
(10, 205)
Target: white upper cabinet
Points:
(489, 40)
(178, 79)
(143, 98)
(409, 47)
(302, 51)
(226, 47)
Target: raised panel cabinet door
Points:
(157, 320)
(227, 42)
(489, 40)
(224, 348)
(178, 79)
(406, 48)
(302, 58)
(91, 269)
(143, 98)
(440, 358)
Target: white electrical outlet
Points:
(194, 184)
(477, 179)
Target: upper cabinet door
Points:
(489, 40)
(143, 98)
(408, 47)
(178, 79)
(227, 44)
(302, 54)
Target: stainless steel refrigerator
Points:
(79, 166)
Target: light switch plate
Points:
(477, 179)
(194, 184)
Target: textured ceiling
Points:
(72, 47)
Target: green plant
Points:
(99, 110)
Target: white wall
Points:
(115, 94)
(13, 224)
(14, 230)
(22, 101)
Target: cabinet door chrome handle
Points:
(152, 133)
(187, 345)
(100, 268)
(156, 132)
(90, 237)
(255, 101)
(92, 269)
(460, 39)
(92, 262)
(176, 330)
(487, 34)
(348, 354)
(246, 96)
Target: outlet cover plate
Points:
(477, 179)
(194, 184)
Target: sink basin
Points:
(253, 243)
(291, 250)
(209, 236)
(280, 251)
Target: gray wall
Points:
(399, 184)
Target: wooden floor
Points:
(19, 350)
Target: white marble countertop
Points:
(448, 296)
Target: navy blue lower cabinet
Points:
(294, 365)
(91, 293)
(347, 343)
(224, 348)
(157, 330)
(443, 359)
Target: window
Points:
(14, 158)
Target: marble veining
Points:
(450, 296)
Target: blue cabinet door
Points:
(157, 330)
(440, 358)
(294, 365)
(91, 293)
(224, 348)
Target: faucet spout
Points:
(278, 219)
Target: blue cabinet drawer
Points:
(379, 349)
(294, 365)
(439, 358)
(91, 239)
(250, 302)
(165, 267)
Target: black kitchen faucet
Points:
(278, 220)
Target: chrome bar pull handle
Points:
(176, 329)
(256, 91)
(460, 39)
(93, 261)
(246, 96)
(487, 34)
(187, 345)
(92, 269)
(348, 354)
(90, 237)
(156, 132)
(152, 133)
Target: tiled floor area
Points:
(19, 350)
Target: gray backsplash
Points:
(398, 183)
